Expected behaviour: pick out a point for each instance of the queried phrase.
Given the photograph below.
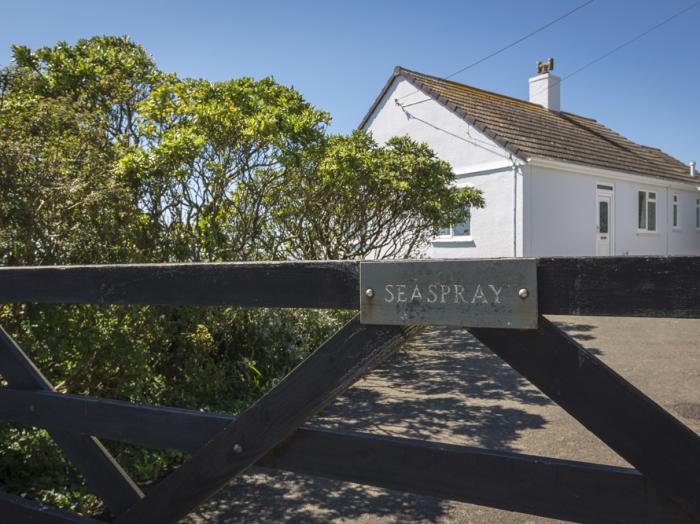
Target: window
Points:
(647, 211)
(457, 231)
(603, 215)
(674, 212)
(697, 213)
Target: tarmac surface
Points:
(444, 386)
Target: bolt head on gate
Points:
(496, 293)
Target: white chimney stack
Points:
(692, 168)
(544, 88)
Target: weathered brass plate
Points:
(470, 293)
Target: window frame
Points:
(676, 211)
(646, 203)
(456, 238)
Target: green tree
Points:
(352, 198)
(60, 202)
(213, 156)
(108, 76)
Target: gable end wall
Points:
(475, 158)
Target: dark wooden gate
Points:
(663, 486)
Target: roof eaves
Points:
(373, 107)
(539, 159)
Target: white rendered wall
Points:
(491, 227)
(475, 159)
(560, 215)
(448, 135)
(685, 239)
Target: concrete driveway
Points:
(445, 386)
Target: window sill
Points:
(453, 240)
(677, 229)
(645, 233)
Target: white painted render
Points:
(539, 207)
(560, 212)
(493, 226)
(448, 134)
(545, 91)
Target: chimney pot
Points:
(692, 168)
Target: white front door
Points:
(604, 223)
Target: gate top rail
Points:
(614, 286)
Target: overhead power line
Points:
(627, 42)
(514, 43)
(473, 64)
(589, 64)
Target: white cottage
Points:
(555, 183)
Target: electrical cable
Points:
(514, 43)
(624, 44)
(471, 140)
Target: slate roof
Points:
(529, 130)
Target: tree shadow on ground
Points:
(582, 333)
(443, 385)
(264, 496)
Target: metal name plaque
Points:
(496, 293)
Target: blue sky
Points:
(339, 54)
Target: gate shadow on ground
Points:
(443, 386)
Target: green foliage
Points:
(354, 199)
(106, 159)
(107, 76)
(60, 201)
(31, 465)
(215, 153)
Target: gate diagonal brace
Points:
(318, 380)
(102, 472)
(643, 433)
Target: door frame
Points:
(606, 189)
